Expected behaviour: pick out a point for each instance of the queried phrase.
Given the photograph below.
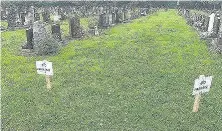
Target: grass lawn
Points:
(137, 76)
(4, 24)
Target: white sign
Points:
(211, 23)
(44, 67)
(202, 85)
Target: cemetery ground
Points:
(136, 76)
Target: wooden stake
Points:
(48, 83)
(196, 103)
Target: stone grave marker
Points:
(113, 18)
(37, 17)
(211, 24)
(46, 15)
(11, 18)
(39, 33)
(74, 27)
(29, 38)
(56, 31)
(216, 26)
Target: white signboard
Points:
(44, 67)
(211, 23)
(202, 85)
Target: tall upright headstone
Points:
(113, 18)
(30, 18)
(74, 27)
(216, 25)
(11, 18)
(56, 31)
(29, 38)
(39, 33)
(37, 17)
(22, 18)
(3, 14)
(211, 24)
(46, 15)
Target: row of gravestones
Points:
(210, 27)
(36, 33)
(109, 18)
(25, 18)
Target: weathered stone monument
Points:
(46, 16)
(39, 32)
(216, 25)
(29, 38)
(11, 18)
(102, 20)
(113, 18)
(56, 32)
(37, 17)
(211, 24)
(74, 27)
(29, 18)
(3, 14)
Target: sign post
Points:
(45, 68)
(201, 85)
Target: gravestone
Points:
(3, 15)
(117, 16)
(96, 32)
(211, 24)
(216, 26)
(29, 18)
(22, 18)
(102, 20)
(61, 13)
(46, 16)
(11, 18)
(56, 31)
(39, 33)
(74, 27)
(29, 38)
(113, 18)
(206, 23)
(37, 17)
(109, 17)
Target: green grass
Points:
(139, 76)
(4, 24)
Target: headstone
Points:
(102, 20)
(216, 26)
(113, 18)
(211, 24)
(37, 17)
(96, 32)
(29, 18)
(46, 16)
(11, 18)
(206, 23)
(61, 13)
(74, 27)
(117, 16)
(56, 31)
(23, 18)
(3, 15)
(29, 38)
(109, 17)
(39, 32)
